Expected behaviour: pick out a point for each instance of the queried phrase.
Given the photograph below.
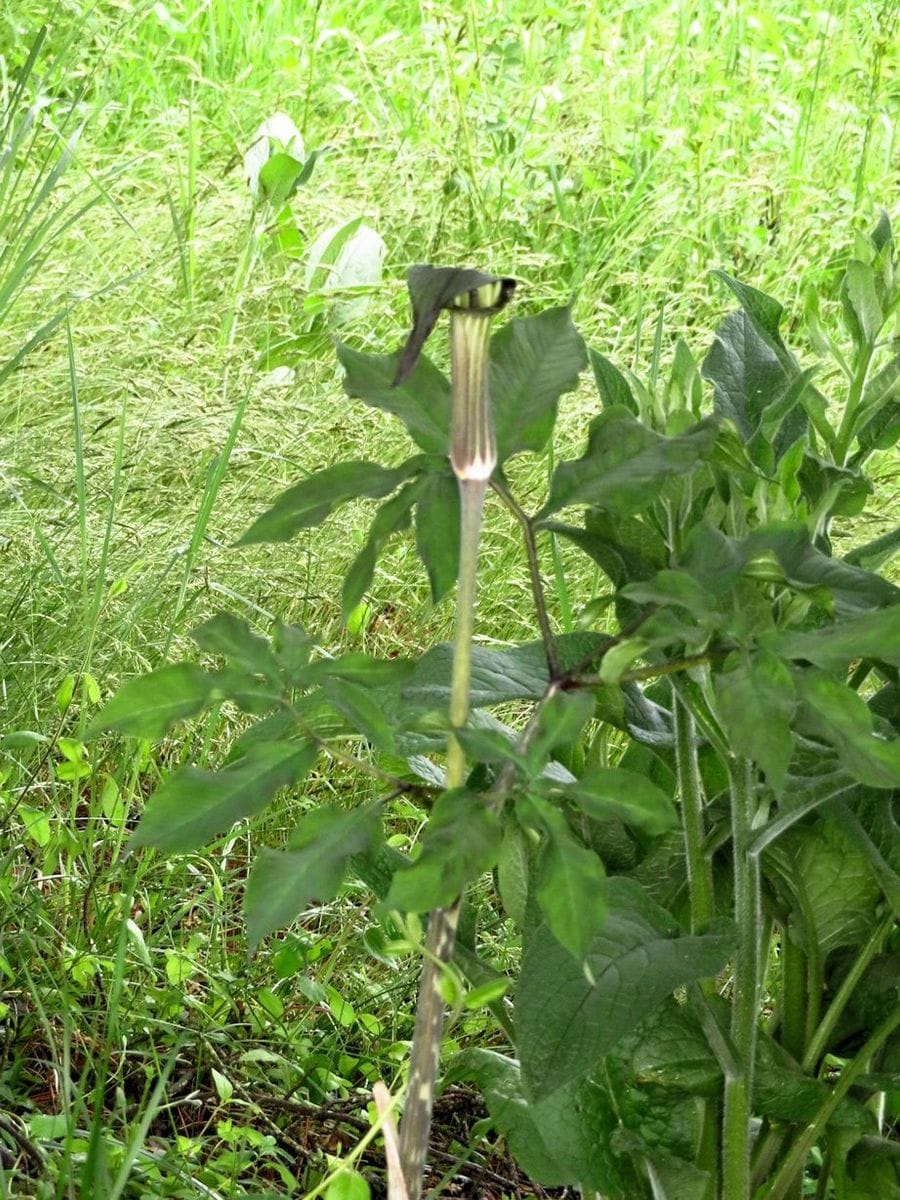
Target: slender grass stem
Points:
(793, 1163)
(818, 1044)
(534, 571)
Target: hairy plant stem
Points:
(473, 457)
(745, 1006)
(854, 397)
(794, 971)
(702, 899)
(699, 870)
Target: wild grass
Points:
(610, 154)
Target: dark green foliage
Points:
(712, 774)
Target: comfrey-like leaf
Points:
(432, 289)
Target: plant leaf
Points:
(875, 554)
(566, 1138)
(614, 389)
(765, 312)
(751, 370)
(148, 705)
(564, 1023)
(283, 883)
(362, 711)
(806, 567)
(229, 636)
(437, 530)
(757, 700)
(861, 299)
(194, 805)
(570, 881)
(309, 502)
(421, 400)
(613, 793)
(533, 361)
(461, 842)
(874, 635)
(626, 464)
(519, 673)
(841, 717)
(393, 516)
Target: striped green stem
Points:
(473, 457)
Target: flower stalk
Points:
(473, 456)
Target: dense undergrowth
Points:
(614, 156)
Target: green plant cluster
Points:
(693, 830)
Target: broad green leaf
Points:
(614, 389)
(280, 177)
(148, 705)
(841, 491)
(805, 568)
(671, 1051)
(564, 1023)
(626, 464)
(194, 805)
(751, 371)
(437, 530)
(626, 548)
(514, 863)
(461, 842)
(834, 890)
(873, 635)
(249, 692)
(283, 883)
(560, 721)
(363, 669)
(672, 588)
(712, 558)
(613, 793)
(533, 361)
(684, 391)
(348, 1185)
(659, 1129)
(519, 673)
(765, 312)
(309, 502)
(757, 699)
(292, 646)
(392, 517)
(840, 716)
(363, 712)
(233, 638)
(566, 1138)
(861, 304)
(783, 1093)
(569, 881)
(421, 401)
